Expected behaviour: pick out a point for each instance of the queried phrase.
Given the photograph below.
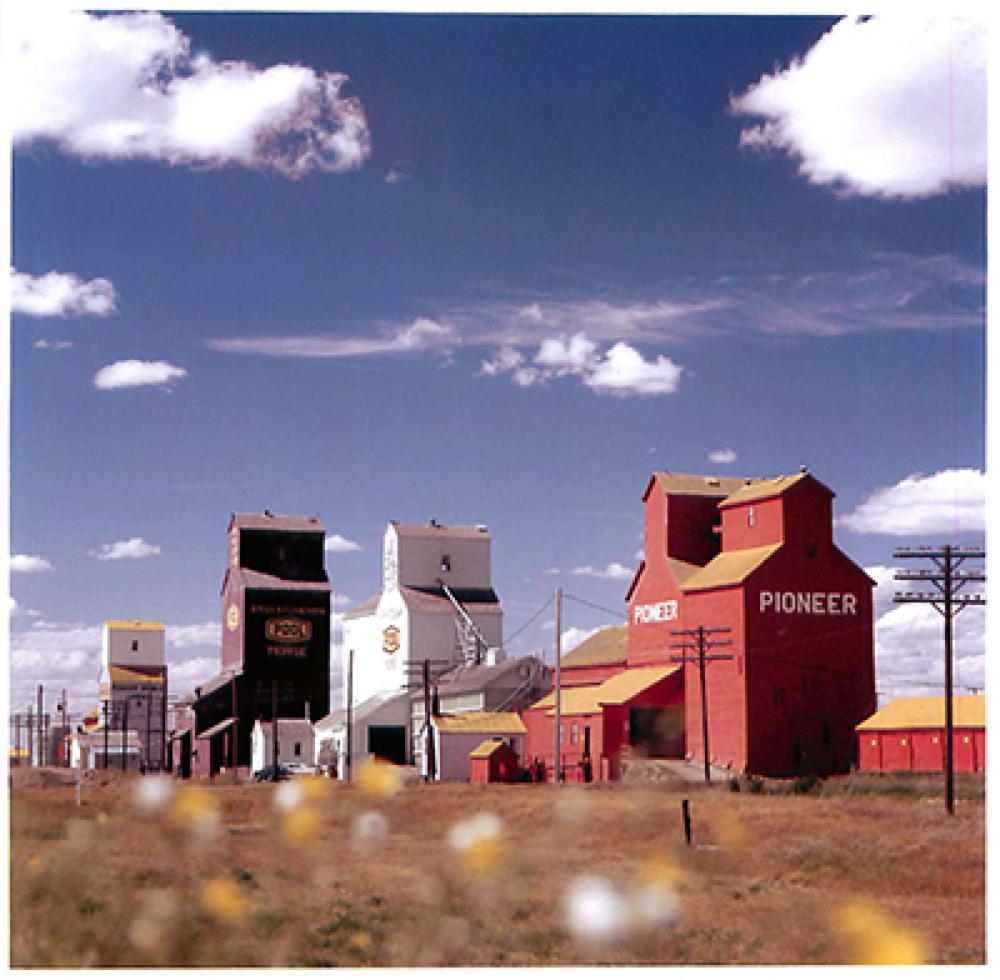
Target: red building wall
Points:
(921, 750)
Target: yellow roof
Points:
(968, 711)
(486, 722)
(692, 484)
(590, 698)
(133, 624)
(759, 489)
(606, 646)
(681, 570)
(485, 749)
(730, 567)
(128, 675)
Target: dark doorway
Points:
(388, 742)
(657, 733)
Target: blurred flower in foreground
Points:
(656, 902)
(595, 912)
(153, 793)
(196, 811)
(378, 778)
(288, 796)
(222, 899)
(302, 824)
(874, 939)
(477, 841)
(369, 830)
(150, 929)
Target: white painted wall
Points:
(118, 641)
(420, 557)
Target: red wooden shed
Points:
(907, 735)
(493, 761)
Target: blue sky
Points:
(482, 269)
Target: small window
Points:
(574, 733)
(298, 748)
(135, 646)
(446, 563)
(751, 517)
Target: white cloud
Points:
(611, 571)
(127, 87)
(947, 502)
(29, 563)
(621, 370)
(44, 344)
(888, 106)
(132, 548)
(337, 544)
(134, 374)
(194, 635)
(909, 643)
(723, 457)
(624, 372)
(60, 294)
(394, 177)
(420, 335)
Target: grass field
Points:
(312, 873)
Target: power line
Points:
(516, 633)
(617, 613)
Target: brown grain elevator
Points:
(275, 640)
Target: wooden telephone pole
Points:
(701, 658)
(558, 647)
(948, 579)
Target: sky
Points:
(485, 269)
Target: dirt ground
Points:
(149, 871)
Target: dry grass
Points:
(830, 877)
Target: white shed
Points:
(295, 743)
(455, 736)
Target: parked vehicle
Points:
(301, 769)
(268, 774)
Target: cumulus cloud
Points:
(621, 370)
(134, 374)
(909, 643)
(132, 548)
(947, 502)
(60, 294)
(888, 106)
(394, 177)
(127, 87)
(29, 563)
(338, 545)
(420, 335)
(723, 457)
(194, 635)
(611, 571)
(44, 344)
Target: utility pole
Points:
(17, 738)
(107, 723)
(701, 658)
(234, 731)
(41, 726)
(124, 734)
(558, 649)
(30, 729)
(65, 728)
(274, 730)
(948, 579)
(350, 713)
(428, 730)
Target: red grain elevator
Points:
(757, 558)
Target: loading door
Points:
(657, 733)
(388, 742)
